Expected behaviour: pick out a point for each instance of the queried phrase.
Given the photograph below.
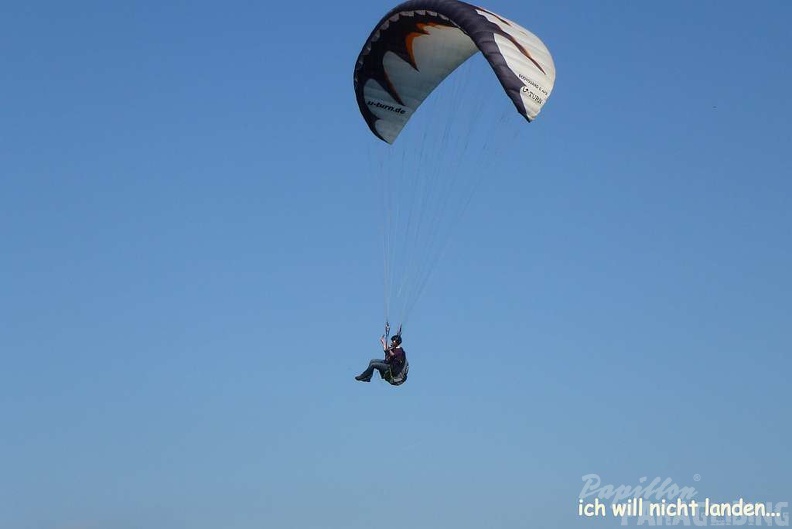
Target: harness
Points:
(399, 379)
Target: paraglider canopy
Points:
(420, 42)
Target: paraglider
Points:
(409, 53)
(394, 367)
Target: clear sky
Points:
(190, 273)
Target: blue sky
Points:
(190, 273)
